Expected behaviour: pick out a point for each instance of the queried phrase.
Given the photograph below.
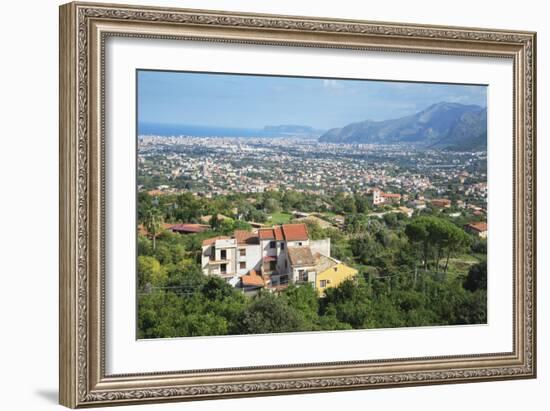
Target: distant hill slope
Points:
(443, 125)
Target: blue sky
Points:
(247, 101)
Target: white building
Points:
(279, 255)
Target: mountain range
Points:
(450, 126)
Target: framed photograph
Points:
(261, 205)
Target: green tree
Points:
(153, 224)
(390, 219)
(269, 313)
(351, 304)
(435, 237)
(304, 299)
(272, 205)
(477, 277)
(150, 271)
(214, 221)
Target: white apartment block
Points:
(280, 255)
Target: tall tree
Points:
(153, 224)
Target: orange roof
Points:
(246, 237)
(478, 226)
(210, 241)
(441, 201)
(188, 228)
(391, 195)
(278, 233)
(253, 279)
(295, 232)
(273, 233)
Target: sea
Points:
(170, 130)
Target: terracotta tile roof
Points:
(441, 202)
(274, 233)
(391, 195)
(266, 234)
(278, 233)
(189, 228)
(253, 279)
(246, 237)
(210, 241)
(478, 226)
(300, 256)
(295, 232)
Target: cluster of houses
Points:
(272, 258)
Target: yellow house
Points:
(331, 273)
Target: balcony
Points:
(217, 262)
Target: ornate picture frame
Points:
(84, 28)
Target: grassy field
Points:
(280, 218)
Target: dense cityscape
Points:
(220, 166)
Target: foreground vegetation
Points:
(417, 271)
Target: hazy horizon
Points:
(251, 102)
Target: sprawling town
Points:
(259, 235)
(221, 166)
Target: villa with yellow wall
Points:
(331, 273)
(273, 258)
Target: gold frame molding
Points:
(84, 27)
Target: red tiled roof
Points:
(266, 234)
(253, 279)
(391, 195)
(278, 233)
(273, 233)
(189, 228)
(295, 232)
(210, 241)
(441, 201)
(246, 237)
(478, 226)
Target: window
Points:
(242, 265)
(300, 244)
(242, 252)
(302, 275)
(272, 244)
(323, 283)
(272, 265)
(223, 254)
(283, 279)
(282, 246)
(223, 268)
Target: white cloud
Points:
(331, 84)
